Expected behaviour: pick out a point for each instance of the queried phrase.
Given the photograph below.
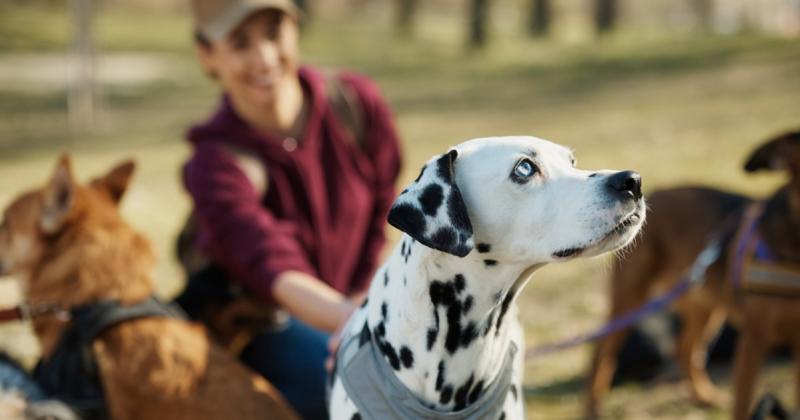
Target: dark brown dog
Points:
(680, 222)
(69, 245)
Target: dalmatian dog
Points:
(439, 336)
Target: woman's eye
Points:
(524, 169)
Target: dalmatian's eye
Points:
(523, 170)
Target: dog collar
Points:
(378, 394)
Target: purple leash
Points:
(695, 276)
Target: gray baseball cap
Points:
(216, 18)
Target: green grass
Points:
(678, 108)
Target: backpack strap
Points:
(346, 105)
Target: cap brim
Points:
(220, 27)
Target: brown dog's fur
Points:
(680, 223)
(68, 244)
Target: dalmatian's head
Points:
(520, 199)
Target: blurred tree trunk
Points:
(478, 16)
(406, 14)
(539, 17)
(605, 15)
(82, 97)
(703, 12)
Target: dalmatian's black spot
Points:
(426, 374)
(484, 247)
(444, 238)
(504, 308)
(432, 334)
(421, 171)
(490, 263)
(431, 199)
(502, 416)
(385, 311)
(391, 354)
(446, 395)
(457, 211)
(364, 303)
(460, 282)
(442, 293)
(386, 278)
(406, 357)
(405, 250)
(476, 392)
(468, 334)
(514, 392)
(356, 416)
(407, 218)
(462, 392)
(467, 304)
(445, 294)
(405, 280)
(440, 376)
(444, 166)
(364, 335)
(453, 338)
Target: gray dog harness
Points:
(378, 394)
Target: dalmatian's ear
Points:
(779, 153)
(432, 211)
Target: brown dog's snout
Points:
(626, 184)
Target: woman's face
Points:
(257, 61)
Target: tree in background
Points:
(406, 13)
(539, 17)
(478, 16)
(605, 15)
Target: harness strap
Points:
(70, 373)
(745, 241)
(755, 268)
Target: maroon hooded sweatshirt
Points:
(327, 198)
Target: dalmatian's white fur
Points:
(478, 217)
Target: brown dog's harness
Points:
(754, 267)
(70, 374)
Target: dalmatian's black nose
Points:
(627, 184)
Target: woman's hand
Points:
(312, 301)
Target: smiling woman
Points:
(290, 195)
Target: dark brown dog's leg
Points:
(749, 355)
(700, 325)
(627, 295)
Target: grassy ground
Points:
(677, 108)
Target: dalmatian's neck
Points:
(444, 323)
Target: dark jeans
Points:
(293, 359)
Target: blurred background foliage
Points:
(680, 90)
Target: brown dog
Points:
(680, 224)
(69, 245)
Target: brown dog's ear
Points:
(59, 194)
(778, 153)
(115, 182)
